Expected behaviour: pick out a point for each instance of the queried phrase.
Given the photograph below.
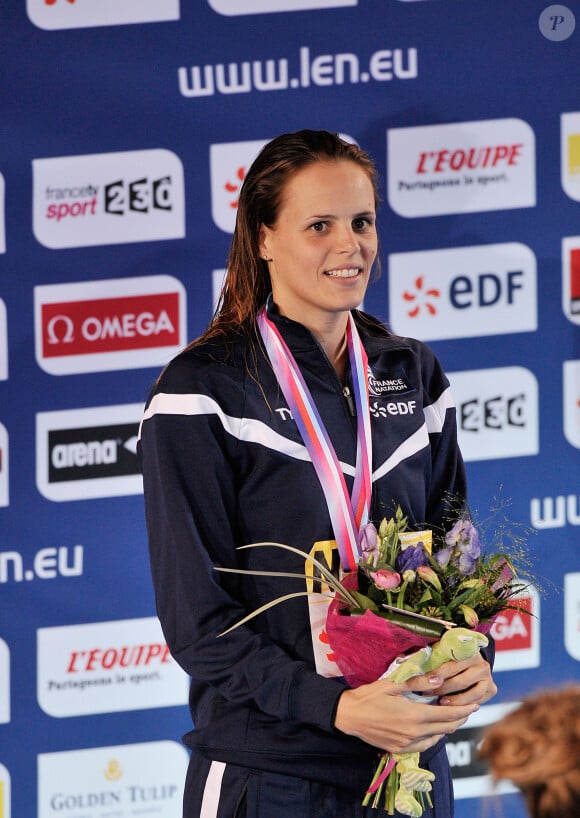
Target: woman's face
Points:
(322, 247)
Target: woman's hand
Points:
(379, 713)
(466, 682)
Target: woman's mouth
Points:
(348, 272)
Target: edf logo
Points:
(485, 289)
(463, 292)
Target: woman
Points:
(277, 733)
(537, 747)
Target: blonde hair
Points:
(537, 747)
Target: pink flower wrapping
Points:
(364, 646)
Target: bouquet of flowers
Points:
(415, 600)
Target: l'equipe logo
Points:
(60, 14)
(123, 780)
(109, 324)
(87, 453)
(463, 291)
(234, 7)
(107, 667)
(463, 167)
(570, 154)
(108, 198)
(497, 412)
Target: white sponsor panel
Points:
(5, 794)
(461, 167)
(107, 667)
(517, 633)
(497, 412)
(4, 469)
(217, 281)
(572, 402)
(4, 688)
(571, 278)
(109, 324)
(3, 343)
(463, 292)
(229, 162)
(570, 154)
(108, 198)
(89, 452)
(234, 7)
(470, 776)
(58, 14)
(121, 781)
(572, 614)
(2, 219)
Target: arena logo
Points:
(228, 164)
(571, 278)
(108, 198)
(571, 401)
(572, 614)
(463, 292)
(463, 167)
(62, 14)
(471, 777)
(48, 563)
(497, 412)
(109, 324)
(4, 695)
(4, 484)
(3, 343)
(570, 154)
(5, 792)
(122, 780)
(87, 453)
(517, 633)
(281, 74)
(236, 7)
(107, 667)
(555, 512)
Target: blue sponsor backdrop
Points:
(214, 74)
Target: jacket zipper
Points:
(349, 400)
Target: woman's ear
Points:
(264, 243)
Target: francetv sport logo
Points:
(87, 453)
(109, 324)
(108, 198)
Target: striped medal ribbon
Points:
(347, 513)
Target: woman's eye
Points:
(361, 224)
(318, 226)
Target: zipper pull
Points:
(349, 400)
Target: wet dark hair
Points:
(247, 284)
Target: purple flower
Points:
(411, 558)
(368, 540)
(443, 556)
(466, 565)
